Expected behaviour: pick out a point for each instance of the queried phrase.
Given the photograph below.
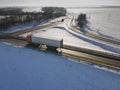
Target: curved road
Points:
(79, 54)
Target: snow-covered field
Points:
(71, 38)
(27, 69)
(102, 21)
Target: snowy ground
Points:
(102, 21)
(71, 38)
(24, 26)
(27, 69)
(29, 25)
(31, 9)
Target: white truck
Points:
(46, 40)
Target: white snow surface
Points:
(30, 25)
(102, 21)
(31, 9)
(74, 39)
(27, 69)
(106, 23)
(24, 26)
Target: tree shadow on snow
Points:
(97, 43)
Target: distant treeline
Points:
(53, 12)
(17, 16)
(10, 11)
(19, 19)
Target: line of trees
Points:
(10, 11)
(8, 21)
(54, 12)
(21, 17)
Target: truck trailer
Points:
(45, 40)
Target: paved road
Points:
(93, 59)
(66, 50)
(34, 29)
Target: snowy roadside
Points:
(24, 26)
(25, 69)
(30, 25)
(74, 39)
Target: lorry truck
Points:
(45, 40)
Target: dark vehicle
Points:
(62, 20)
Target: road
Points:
(93, 59)
(14, 38)
(15, 34)
(99, 58)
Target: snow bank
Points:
(27, 69)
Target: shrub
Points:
(81, 20)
